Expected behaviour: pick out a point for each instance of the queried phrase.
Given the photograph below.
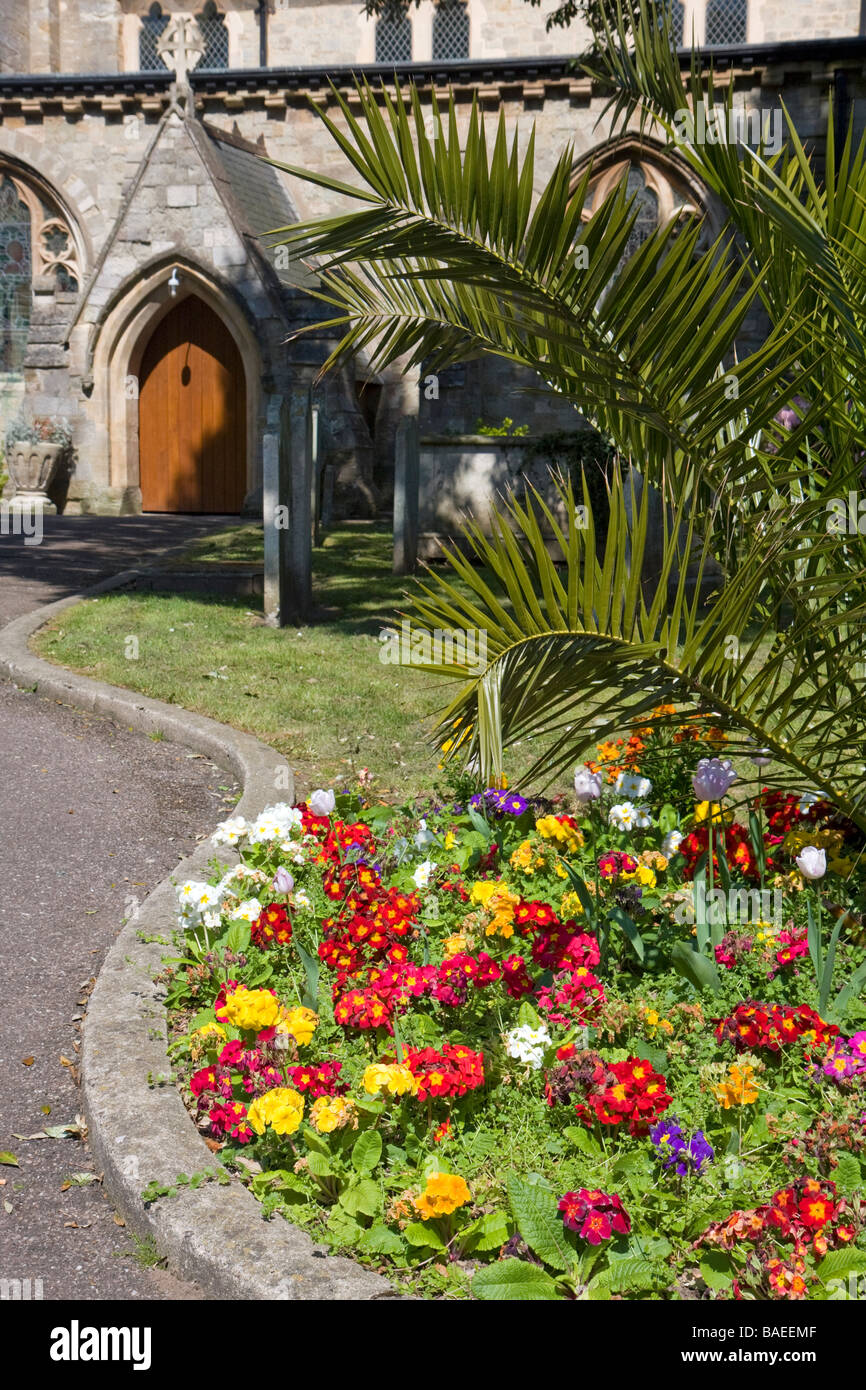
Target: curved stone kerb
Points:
(138, 1128)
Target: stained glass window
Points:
(647, 208)
(152, 26)
(16, 273)
(394, 39)
(451, 30)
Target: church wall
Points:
(90, 146)
(82, 36)
(14, 36)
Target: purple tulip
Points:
(713, 778)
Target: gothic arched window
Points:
(152, 26)
(646, 205)
(727, 21)
(211, 25)
(35, 242)
(660, 192)
(216, 38)
(451, 30)
(393, 39)
(15, 276)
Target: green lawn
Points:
(320, 695)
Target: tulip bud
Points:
(587, 785)
(322, 803)
(812, 862)
(713, 778)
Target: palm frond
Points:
(449, 257)
(579, 646)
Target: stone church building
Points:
(140, 299)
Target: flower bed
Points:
(508, 1048)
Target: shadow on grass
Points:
(354, 587)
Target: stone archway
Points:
(117, 357)
(671, 190)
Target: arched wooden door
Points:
(192, 415)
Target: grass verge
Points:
(318, 694)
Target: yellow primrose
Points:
(571, 906)
(558, 828)
(391, 1077)
(653, 1021)
(738, 1088)
(444, 1193)
(502, 905)
(300, 1024)
(482, 892)
(253, 1009)
(331, 1112)
(281, 1110)
(645, 876)
(209, 1030)
(526, 858)
(495, 898)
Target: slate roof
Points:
(261, 199)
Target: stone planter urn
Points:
(32, 466)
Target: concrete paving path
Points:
(92, 817)
(77, 551)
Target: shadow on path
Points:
(92, 817)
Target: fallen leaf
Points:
(71, 1131)
(65, 1062)
(214, 1145)
(46, 1109)
(78, 1180)
(28, 1061)
(7, 1206)
(9, 1159)
(118, 1220)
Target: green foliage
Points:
(695, 967)
(452, 255)
(516, 1281)
(534, 1207)
(507, 429)
(156, 1189)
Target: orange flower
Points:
(444, 1193)
(738, 1088)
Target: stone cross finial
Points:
(180, 45)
